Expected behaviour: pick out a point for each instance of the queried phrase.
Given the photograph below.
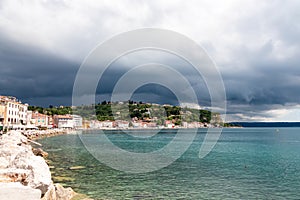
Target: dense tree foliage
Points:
(131, 110)
(62, 110)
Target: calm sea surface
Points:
(249, 163)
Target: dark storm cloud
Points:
(255, 44)
(155, 93)
(265, 83)
(31, 73)
(42, 78)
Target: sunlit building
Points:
(63, 121)
(41, 120)
(13, 114)
(77, 121)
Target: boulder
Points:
(39, 176)
(39, 152)
(58, 192)
(16, 155)
(24, 175)
(18, 191)
(13, 137)
(14, 175)
(63, 193)
(50, 194)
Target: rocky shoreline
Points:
(37, 134)
(24, 173)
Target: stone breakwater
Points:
(34, 134)
(24, 175)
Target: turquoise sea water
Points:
(248, 163)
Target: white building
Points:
(122, 124)
(23, 109)
(107, 124)
(77, 121)
(95, 124)
(63, 121)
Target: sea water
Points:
(246, 163)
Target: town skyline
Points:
(106, 115)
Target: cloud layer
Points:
(255, 44)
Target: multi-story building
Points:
(40, 120)
(2, 114)
(122, 124)
(107, 124)
(77, 121)
(29, 117)
(13, 114)
(63, 121)
(23, 109)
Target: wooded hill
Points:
(133, 110)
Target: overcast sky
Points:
(255, 44)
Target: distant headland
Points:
(267, 124)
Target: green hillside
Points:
(132, 110)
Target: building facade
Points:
(77, 121)
(13, 114)
(40, 120)
(2, 114)
(63, 121)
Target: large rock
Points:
(16, 155)
(25, 176)
(14, 175)
(58, 192)
(50, 194)
(39, 152)
(39, 176)
(17, 191)
(14, 138)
